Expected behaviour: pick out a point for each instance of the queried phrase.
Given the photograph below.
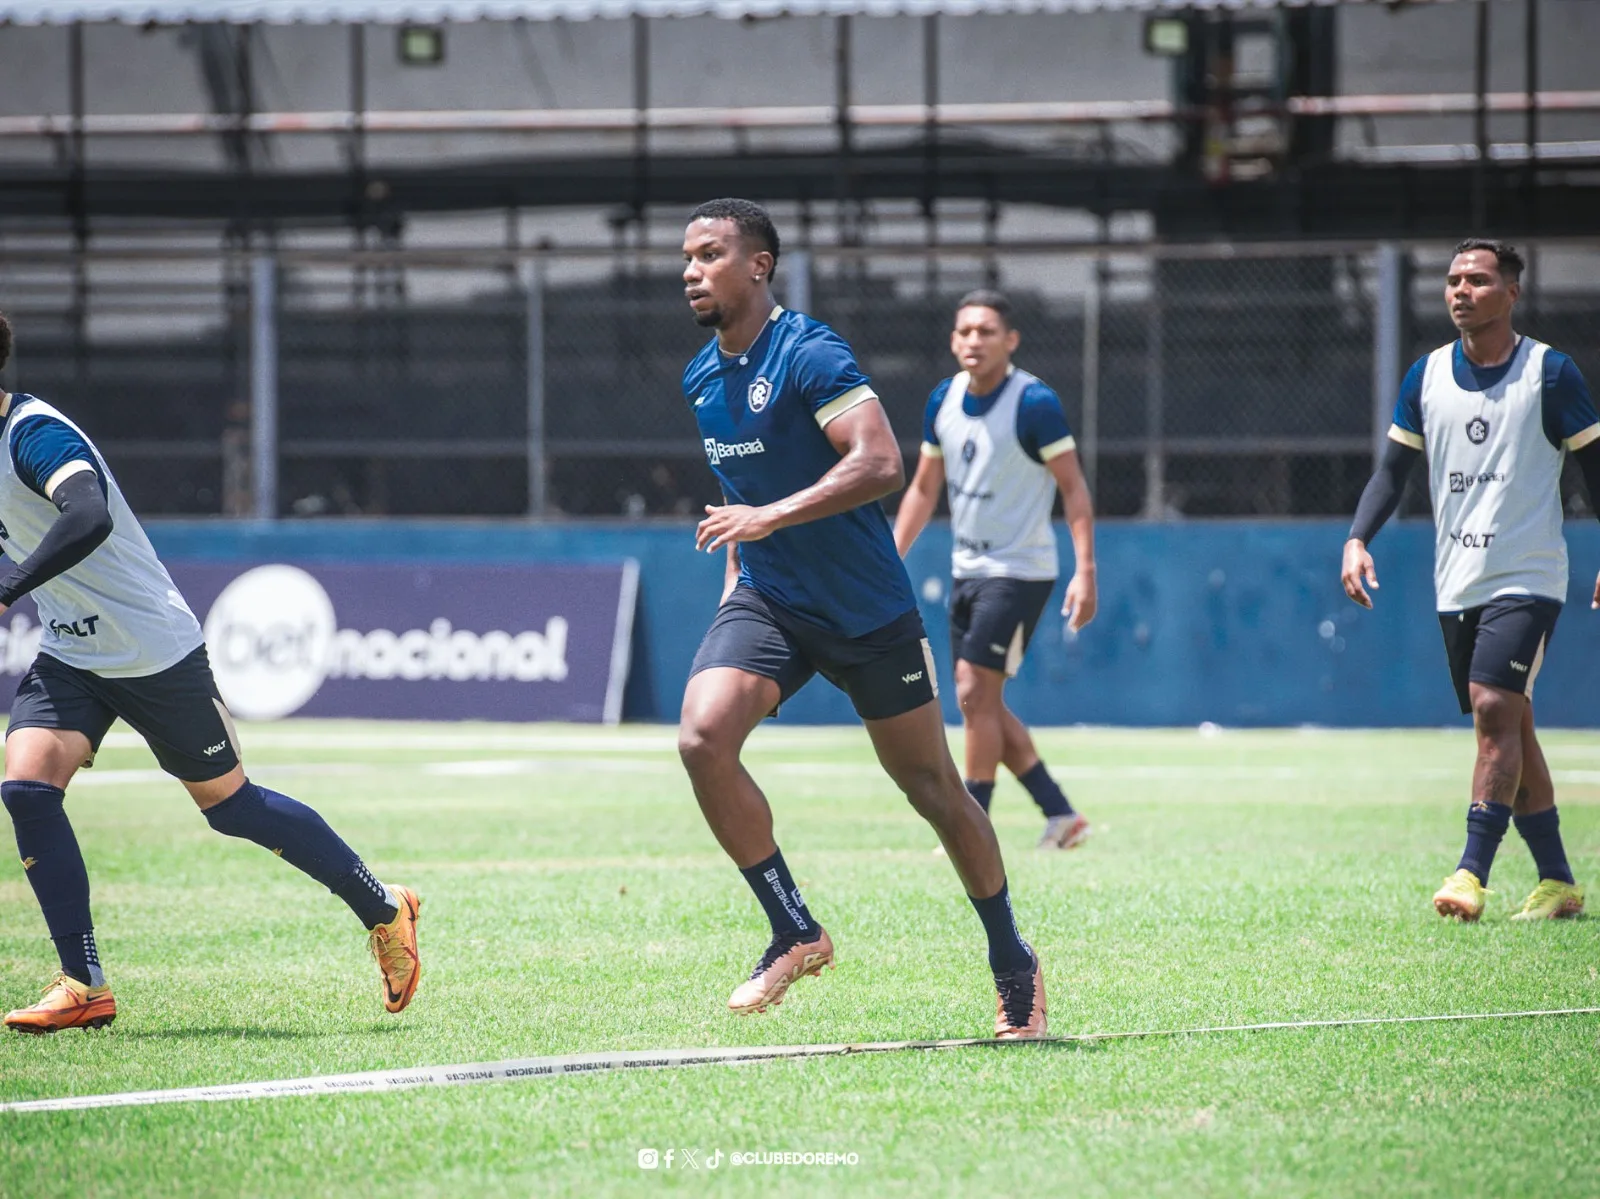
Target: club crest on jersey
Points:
(1477, 430)
(969, 450)
(760, 394)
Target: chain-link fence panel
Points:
(1200, 381)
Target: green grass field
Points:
(573, 901)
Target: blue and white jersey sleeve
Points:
(45, 451)
(1407, 426)
(1570, 420)
(829, 379)
(1042, 424)
(931, 447)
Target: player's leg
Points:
(55, 728)
(1534, 810)
(982, 737)
(1064, 827)
(1492, 650)
(912, 749)
(987, 648)
(180, 714)
(744, 668)
(979, 691)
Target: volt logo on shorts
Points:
(912, 678)
(1472, 541)
(213, 750)
(82, 627)
(716, 450)
(1520, 667)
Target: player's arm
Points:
(1384, 490)
(84, 523)
(921, 499)
(1378, 502)
(1588, 460)
(1046, 437)
(1083, 597)
(868, 469)
(1572, 423)
(918, 503)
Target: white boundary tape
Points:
(521, 1069)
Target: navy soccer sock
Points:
(982, 792)
(780, 898)
(55, 869)
(1542, 832)
(1052, 800)
(1008, 952)
(303, 839)
(1486, 825)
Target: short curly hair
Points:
(748, 217)
(1505, 254)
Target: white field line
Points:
(520, 1069)
(568, 741)
(507, 767)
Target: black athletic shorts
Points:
(1501, 643)
(886, 672)
(178, 711)
(992, 620)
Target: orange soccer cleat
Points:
(67, 1003)
(779, 967)
(395, 946)
(1019, 1004)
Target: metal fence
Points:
(1204, 381)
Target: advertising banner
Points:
(402, 641)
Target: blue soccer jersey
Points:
(761, 416)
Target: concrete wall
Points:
(1237, 622)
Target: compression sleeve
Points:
(1383, 491)
(84, 523)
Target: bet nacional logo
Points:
(268, 635)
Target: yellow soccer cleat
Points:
(67, 1003)
(1462, 896)
(395, 946)
(1552, 899)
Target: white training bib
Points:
(116, 613)
(1496, 483)
(1000, 499)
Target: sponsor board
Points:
(402, 641)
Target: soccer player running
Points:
(803, 451)
(999, 438)
(120, 641)
(1496, 414)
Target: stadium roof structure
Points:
(401, 12)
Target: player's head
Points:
(730, 251)
(983, 339)
(1482, 284)
(5, 341)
